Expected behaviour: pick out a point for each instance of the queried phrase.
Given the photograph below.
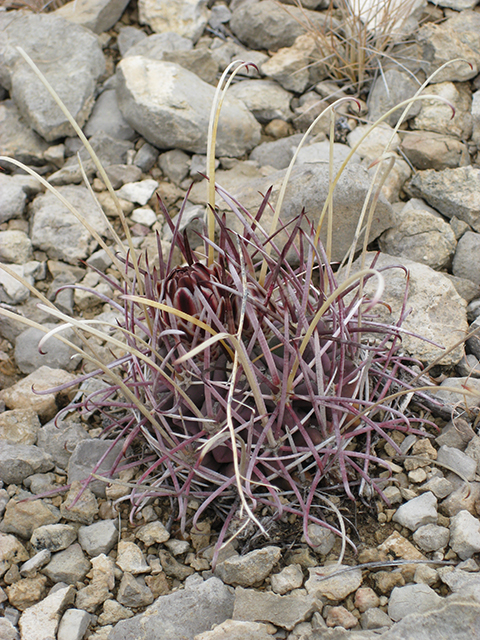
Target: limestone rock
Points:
(266, 99)
(17, 140)
(188, 18)
(283, 611)
(70, 58)
(97, 15)
(40, 622)
(323, 581)
(448, 116)
(249, 569)
(429, 150)
(18, 461)
(175, 112)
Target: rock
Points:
(411, 599)
(54, 353)
(386, 581)
(20, 426)
(18, 461)
(417, 512)
(53, 537)
(199, 61)
(154, 110)
(21, 518)
(15, 246)
(400, 547)
(138, 192)
(468, 393)
(474, 341)
(128, 37)
(308, 187)
(12, 552)
(473, 450)
(291, 577)
(99, 537)
(266, 99)
(340, 617)
(60, 437)
(73, 625)
(375, 619)
(376, 142)
(292, 66)
(335, 587)
(464, 498)
(366, 598)
(12, 290)
(27, 592)
(421, 236)
(12, 199)
(113, 611)
(429, 150)
(389, 89)
(133, 593)
(249, 569)
(236, 629)
(277, 154)
(321, 539)
(97, 15)
(283, 611)
(438, 312)
(131, 559)
(308, 109)
(109, 151)
(431, 537)
(463, 265)
(189, 612)
(457, 461)
(172, 567)
(107, 117)
(91, 597)
(450, 619)
(85, 458)
(187, 18)
(156, 45)
(22, 394)
(464, 534)
(69, 565)
(70, 58)
(449, 116)
(40, 622)
(17, 140)
(320, 152)
(74, 242)
(9, 632)
(451, 192)
(145, 158)
(456, 433)
(30, 568)
(152, 533)
(267, 25)
(175, 165)
(81, 508)
(440, 44)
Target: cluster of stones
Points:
(76, 567)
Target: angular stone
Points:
(19, 426)
(451, 191)
(15, 246)
(12, 199)
(99, 537)
(27, 592)
(152, 533)
(91, 597)
(277, 154)
(79, 508)
(69, 565)
(40, 622)
(334, 587)
(58, 232)
(457, 461)
(188, 18)
(438, 312)
(431, 537)
(340, 617)
(463, 265)
(131, 559)
(19, 461)
(175, 113)
(106, 116)
(421, 236)
(249, 569)
(12, 551)
(266, 99)
(237, 630)
(54, 353)
(113, 611)
(464, 534)
(186, 612)
(97, 15)
(389, 89)
(36, 562)
(468, 393)
(70, 58)
(283, 611)
(22, 518)
(413, 598)
(291, 577)
(267, 25)
(430, 150)
(417, 512)
(449, 116)
(73, 625)
(133, 593)
(86, 457)
(17, 140)
(60, 437)
(156, 45)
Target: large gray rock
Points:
(308, 188)
(249, 569)
(59, 438)
(283, 611)
(413, 598)
(85, 458)
(448, 112)
(188, 18)
(69, 565)
(41, 620)
(277, 154)
(170, 107)
(389, 89)
(156, 45)
(17, 140)
(18, 461)
(107, 117)
(266, 99)
(97, 15)
(430, 150)
(463, 265)
(70, 58)
(267, 25)
(437, 311)
(12, 199)
(453, 192)
(417, 512)
(54, 353)
(182, 614)
(58, 232)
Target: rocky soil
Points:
(140, 80)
